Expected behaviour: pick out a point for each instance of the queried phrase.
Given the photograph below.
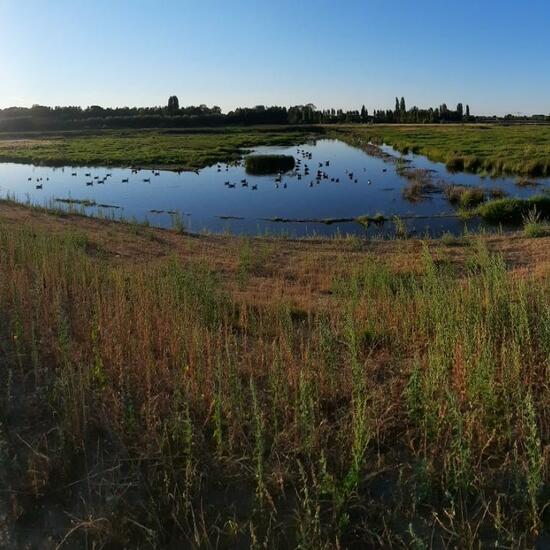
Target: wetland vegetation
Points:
(162, 389)
(522, 150)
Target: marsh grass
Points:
(190, 149)
(412, 410)
(464, 196)
(522, 150)
(513, 211)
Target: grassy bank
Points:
(520, 149)
(166, 390)
(491, 149)
(182, 149)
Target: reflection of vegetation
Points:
(269, 164)
(526, 182)
(82, 202)
(491, 149)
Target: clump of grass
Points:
(455, 163)
(178, 223)
(400, 227)
(448, 239)
(533, 226)
(419, 185)
(464, 196)
(366, 220)
(512, 211)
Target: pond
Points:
(340, 183)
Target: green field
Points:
(486, 149)
(185, 149)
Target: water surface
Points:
(214, 199)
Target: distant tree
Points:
(402, 107)
(459, 111)
(363, 114)
(173, 104)
(467, 111)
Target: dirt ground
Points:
(301, 270)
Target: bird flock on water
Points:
(303, 170)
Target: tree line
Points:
(39, 117)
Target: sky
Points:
(491, 54)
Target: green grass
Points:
(464, 196)
(513, 211)
(523, 150)
(534, 227)
(187, 150)
(145, 405)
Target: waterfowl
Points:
(147, 180)
(89, 183)
(254, 187)
(39, 186)
(124, 180)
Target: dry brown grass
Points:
(213, 391)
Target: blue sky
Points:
(491, 54)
